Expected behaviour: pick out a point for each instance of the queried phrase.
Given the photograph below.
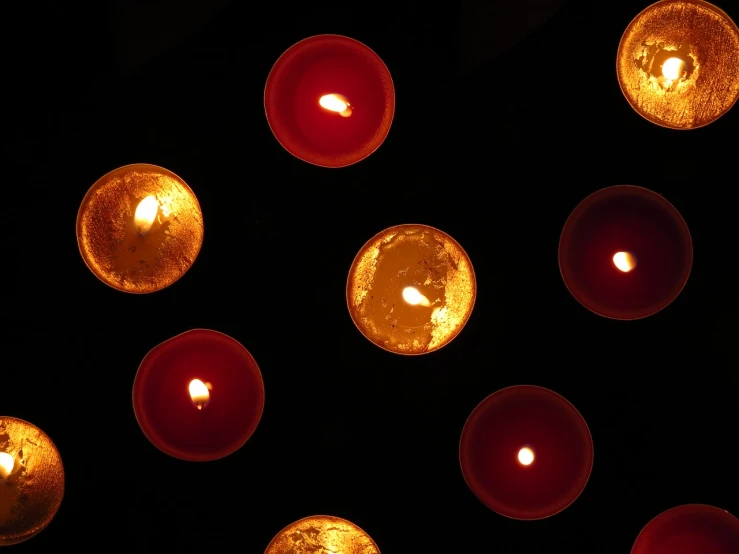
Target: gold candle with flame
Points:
(322, 534)
(31, 480)
(678, 63)
(411, 289)
(139, 228)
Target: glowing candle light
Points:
(322, 534)
(31, 480)
(526, 456)
(411, 289)
(690, 529)
(624, 261)
(336, 103)
(540, 478)
(625, 253)
(198, 396)
(329, 100)
(678, 63)
(139, 228)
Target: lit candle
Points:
(329, 100)
(625, 252)
(411, 289)
(690, 529)
(678, 63)
(322, 534)
(139, 228)
(198, 396)
(31, 480)
(526, 452)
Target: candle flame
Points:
(200, 393)
(413, 297)
(146, 213)
(7, 463)
(672, 69)
(625, 261)
(336, 103)
(526, 456)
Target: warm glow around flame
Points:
(414, 298)
(7, 463)
(200, 393)
(625, 261)
(672, 69)
(146, 213)
(336, 103)
(526, 456)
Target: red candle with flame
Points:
(625, 252)
(526, 452)
(329, 100)
(690, 529)
(198, 396)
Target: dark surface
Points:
(348, 429)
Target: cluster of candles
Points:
(525, 451)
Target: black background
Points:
(498, 134)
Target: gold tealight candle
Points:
(31, 480)
(139, 228)
(411, 289)
(678, 63)
(319, 534)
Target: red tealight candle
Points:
(625, 252)
(198, 396)
(526, 452)
(690, 529)
(329, 100)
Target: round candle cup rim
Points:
(177, 453)
(681, 507)
(295, 45)
(130, 166)
(62, 486)
(670, 206)
(461, 326)
(474, 490)
(654, 120)
(319, 516)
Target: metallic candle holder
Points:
(31, 480)
(526, 452)
(198, 396)
(139, 228)
(411, 289)
(329, 101)
(625, 252)
(322, 534)
(678, 63)
(690, 529)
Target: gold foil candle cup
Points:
(31, 480)
(139, 228)
(678, 63)
(411, 289)
(322, 534)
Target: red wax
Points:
(526, 417)
(625, 219)
(690, 529)
(165, 409)
(324, 65)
